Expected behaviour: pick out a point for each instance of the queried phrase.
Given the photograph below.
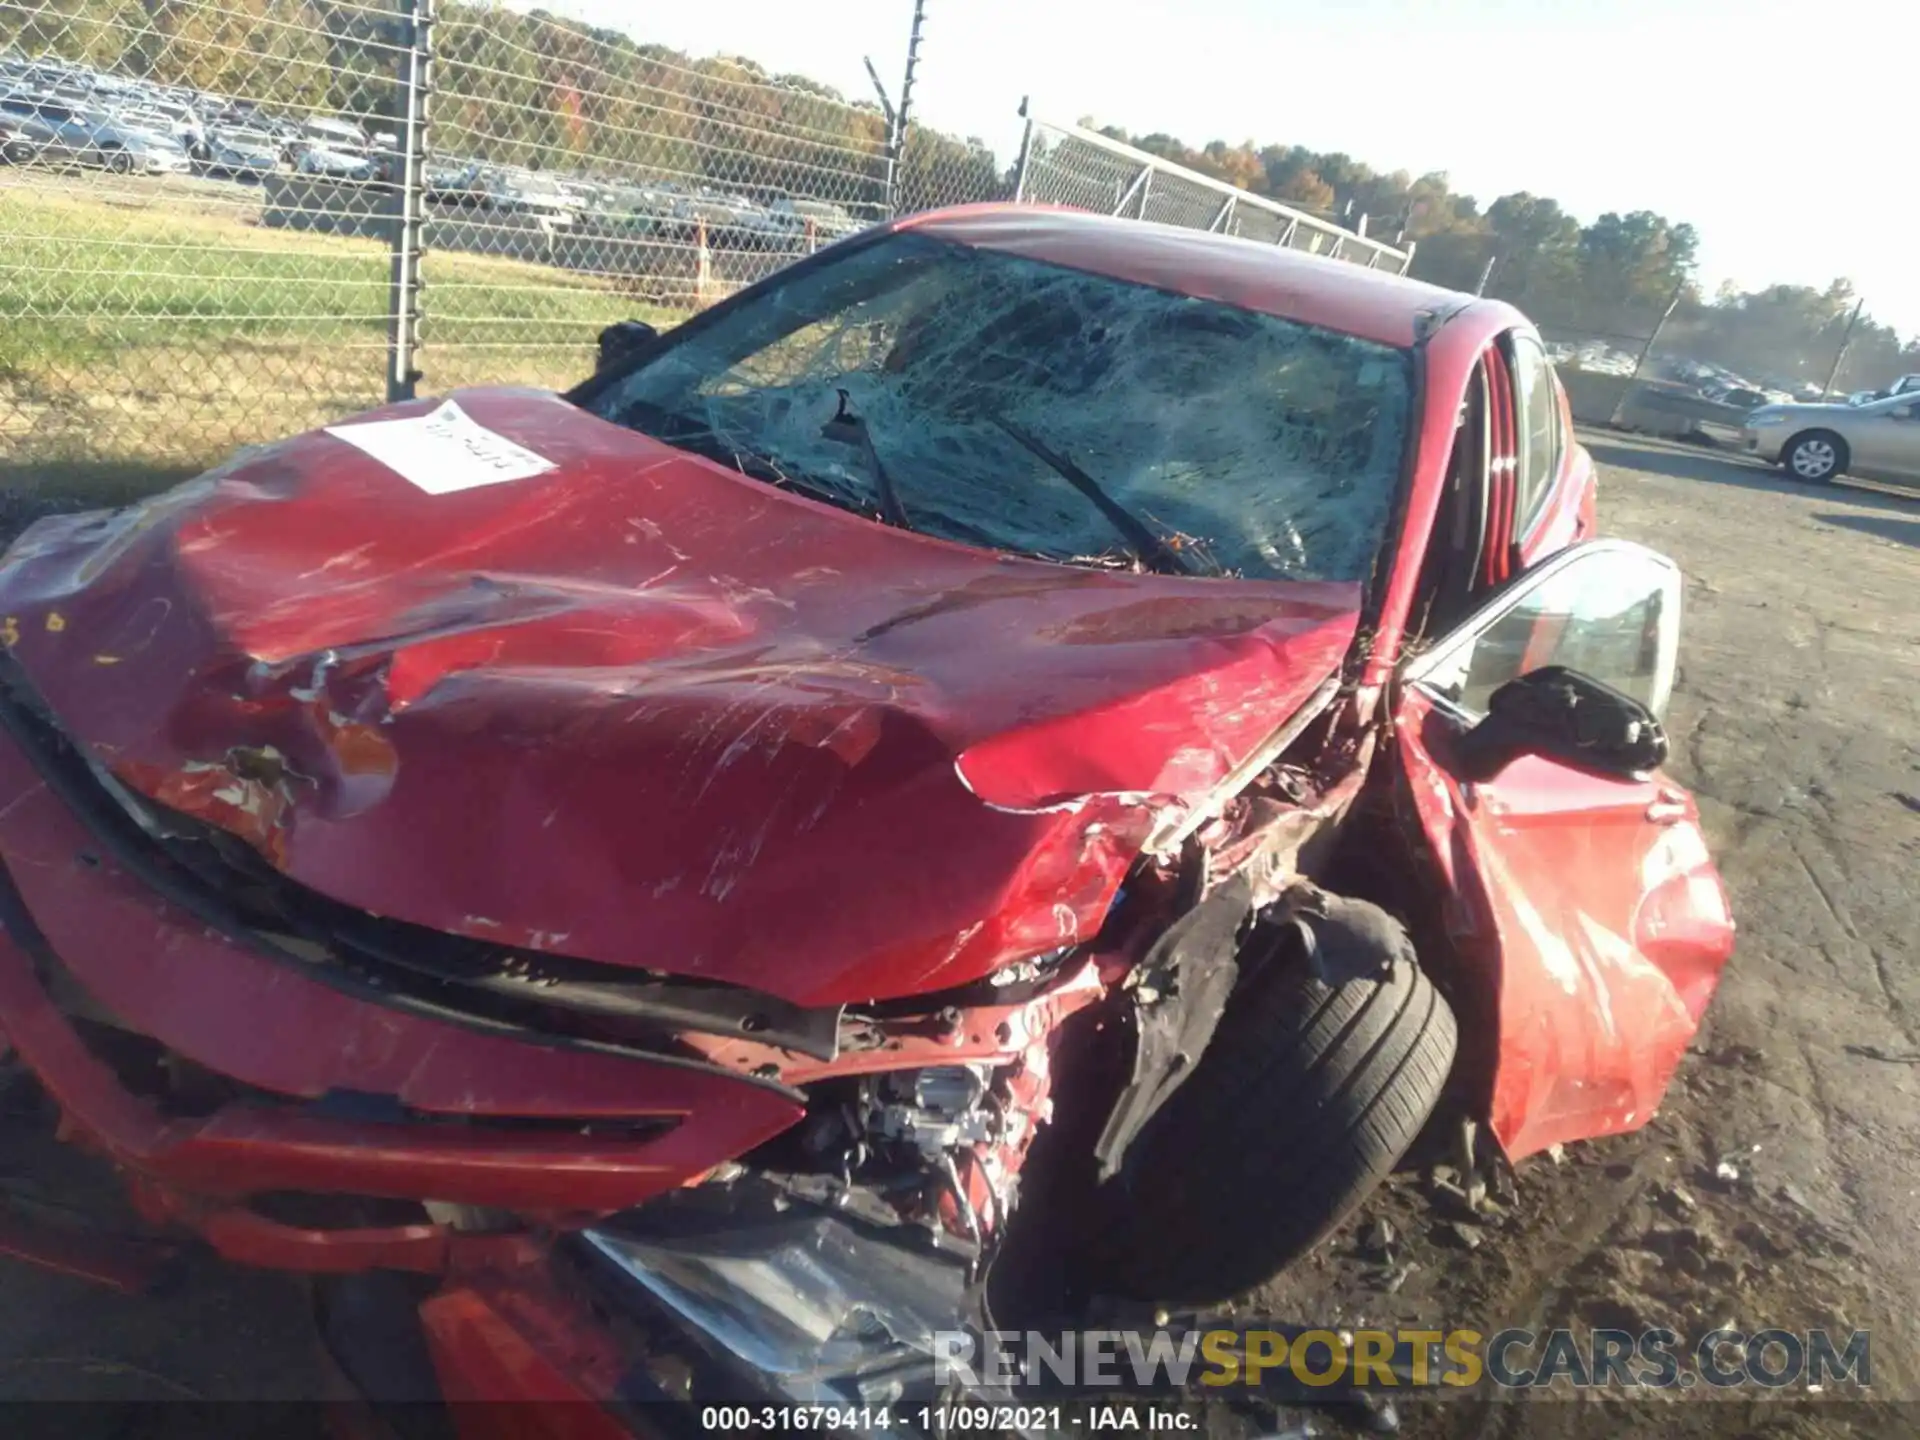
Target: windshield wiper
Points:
(844, 424)
(680, 430)
(1151, 549)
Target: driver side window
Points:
(1607, 609)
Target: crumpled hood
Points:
(643, 710)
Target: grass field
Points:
(147, 331)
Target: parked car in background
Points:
(243, 153)
(723, 219)
(454, 182)
(813, 220)
(50, 132)
(510, 190)
(131, 149)
(1876, 440)
(646, 209)
(335, 164)
(19, 139)
(177, 121)
(343, 136)
(1724, 425)
(45, 131)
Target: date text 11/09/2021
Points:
(945, 1419)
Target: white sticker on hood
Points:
(443, 451)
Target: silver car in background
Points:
(241, 153)
(51, 132)
(1879, 440)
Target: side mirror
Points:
(1563, 715)
(621, 340)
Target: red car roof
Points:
(1291, 284)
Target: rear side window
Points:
(1541, 441)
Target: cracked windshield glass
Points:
(1006, 403)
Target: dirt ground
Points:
(1795, 723)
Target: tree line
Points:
(528, 87)
(1611, 279)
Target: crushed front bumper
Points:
(319, 1089)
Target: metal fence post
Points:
(1840, 355)
(1665, 315)
(1026, 153)
(1640, 361)
(403, 291)
(897, 131)
(1487, 273)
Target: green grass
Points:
(143, 327)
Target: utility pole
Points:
(1486, 274)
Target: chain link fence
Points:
(622, 179)
(226, 220)
(150, 307)
(1070, 165)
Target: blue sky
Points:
(1783, 132)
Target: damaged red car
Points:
(1014, 682)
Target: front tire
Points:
(1816, 457)
(1309, 1094)
(120, 162)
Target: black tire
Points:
(119, 162)
(1307, 1097)
(1802, 456)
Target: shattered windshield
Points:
(1022, 406)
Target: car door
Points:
(39, 135)
(58, 121)
(1589, 899)
(1886, 442)
(78, 135)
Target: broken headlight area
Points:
(726, 1292)
(936, 1149)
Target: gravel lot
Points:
(1795, 722)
